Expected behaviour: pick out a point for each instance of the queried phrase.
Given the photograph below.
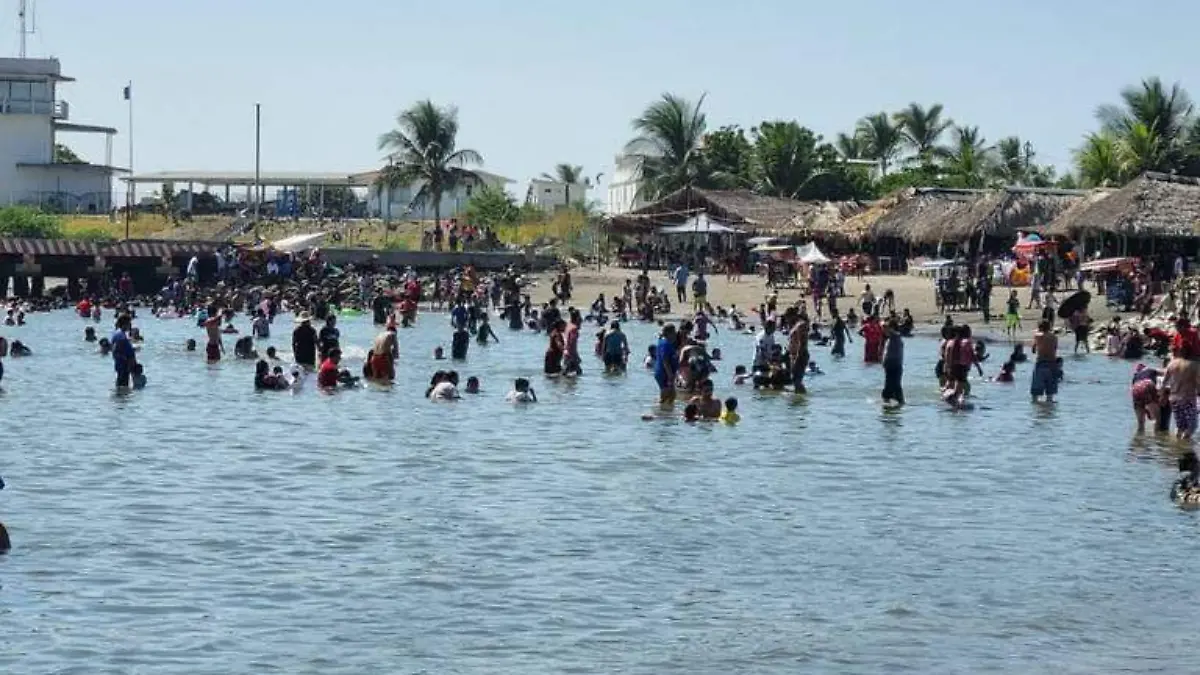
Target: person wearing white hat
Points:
(304, 341)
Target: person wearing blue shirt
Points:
(122, 350)
(616, 349)
(666, 365)
(681, 277)
(458, 316)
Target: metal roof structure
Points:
(239, 178)
(132, 248)
(85, 128)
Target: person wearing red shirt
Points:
(327, 375)
(1186, 340)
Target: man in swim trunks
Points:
(212, 326)
(1045, 377)
(1182, 377)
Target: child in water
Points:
(522, 392)
(472, 385)
(190, 345)
(651, 357)
(138, 376)
(730, 415)
(439, 354)
(740, 375)
(691, 413)
(1006, 372)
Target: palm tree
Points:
(969, 157)
(922, 129)
(1013, 161)
(568, 175)
(1165, 115)
(1103, 161)
(882, 138)
(670, 134)
(851, 147)
(422, 149)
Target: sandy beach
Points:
(912, 292)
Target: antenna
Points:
(27, 12)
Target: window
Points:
(21, 91)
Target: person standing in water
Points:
(872, 333)
(841, 335)
(1182, 378)
(893, 364)
(666, 364)
(798, 352)
(616, 349)
(212, 327)
(304, 342)
(124, 356)
(572, 363)
(1045, 375)
(554, 351)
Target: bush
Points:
(23, 221)
(93, 234)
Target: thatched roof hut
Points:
(930, 215)
(741, 208)
(1152, 205)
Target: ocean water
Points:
(200, 527)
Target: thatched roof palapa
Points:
(930, 215)
(1153, 204)
(741, 208)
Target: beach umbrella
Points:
(1079, 300)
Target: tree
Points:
(492, 207)
(785, 158)
(922, 129)
(423, 150)
(1103, 161)
(65, 155)
(728, 157)
(851, 147)
(969, 160)
(668, 146)
(1154, 121)
(881, 139)
(568, 175)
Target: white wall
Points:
(67, 188)
(550, 195)
(23, 138)
(400, 198)
(622, 189)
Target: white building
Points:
(551, 194)
(623, 188)
(31, 117)
(396, 203)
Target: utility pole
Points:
(257, 161)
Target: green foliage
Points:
(23, 221)
(916, 176)
(65, 155)
(668, 146)
(92, 234)
(492, 207)
(729, 157)
(785, 156)
(840, 182)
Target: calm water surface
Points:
(200, 527)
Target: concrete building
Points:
(551, 194)
(396, 203)
(31, 118)
(623, 188)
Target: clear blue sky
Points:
(539, 82)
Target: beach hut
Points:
(1149, 212)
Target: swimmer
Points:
(716, 354)
(740, 375)
(137, 376)
(190, 345)
(691, 412)
(814, 369)
(521, 392)
(439, 354)
(472, 385)
(18, 348)
(1005, 376)
(104, 346)
(709, 407)
(730, 415)
(244, 348)
(272, 355)
(89, 334)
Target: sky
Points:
(537, 83)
